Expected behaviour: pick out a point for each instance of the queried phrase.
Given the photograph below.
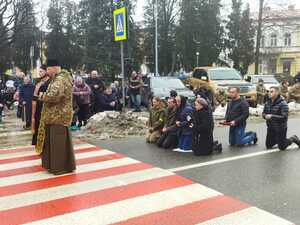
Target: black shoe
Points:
(255, 140)
(295, 140)
(216, 143)
(218, 148)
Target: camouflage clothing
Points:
(261, 92)
(156, 123)
(294, 93)
(284, 92)
(58, 100)
(57, 107)
(221, 98)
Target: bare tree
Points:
(12, 20)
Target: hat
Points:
(203, 102)
(200, 74)
(52, 62)
(43, 67)
(173, 93)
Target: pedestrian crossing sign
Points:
(120, 27)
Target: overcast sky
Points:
(253, 3)
(226, 3)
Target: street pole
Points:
(123, 74)
(259, 34)
(197, 54)
(31, 60)
(156, 38)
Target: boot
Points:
(295, 140)
(218, 148)
(255, 139)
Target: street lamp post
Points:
(156, 38)
(197, 54)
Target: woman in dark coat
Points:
(108, 100)
(202, 124)
(26, 94)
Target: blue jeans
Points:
(185, 142)
(238, 136)
(136, 101)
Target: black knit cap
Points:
(52, 62)
(173, 94)
(44, 67)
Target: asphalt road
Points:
(269, 180)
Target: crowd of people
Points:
(291, 93)
(186, 127)
(90, 96)
(174, 123)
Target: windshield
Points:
(267, 80)
(230, 74)
(167, 83)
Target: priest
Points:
(54, 141)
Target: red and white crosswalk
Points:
(110, 188)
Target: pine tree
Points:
(96, 28)
(240, 36)
(74, 49)
(56, 40)
(200, 30)
(247, 40)
(167, 11)
(5, 50)
(26, 37)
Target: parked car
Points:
(161, 87)
(269, 80)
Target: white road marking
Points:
(249, 216)
(229, 159)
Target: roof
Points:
(279, 14)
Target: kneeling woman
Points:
(202, 124)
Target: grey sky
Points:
(226, 3)
(253, 3)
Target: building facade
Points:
(280, 43)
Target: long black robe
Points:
(202, 142)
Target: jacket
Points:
(238, 111)
(170, 124)
(104, 101)
(58, 100)
(157, 119)
(182, 115)
(83, 99)
(279, 110)
(95, 81)
(202, 141)
(26, 93)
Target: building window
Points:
(273, 40)
(287, 67)
(262, 42)
(287, 39)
